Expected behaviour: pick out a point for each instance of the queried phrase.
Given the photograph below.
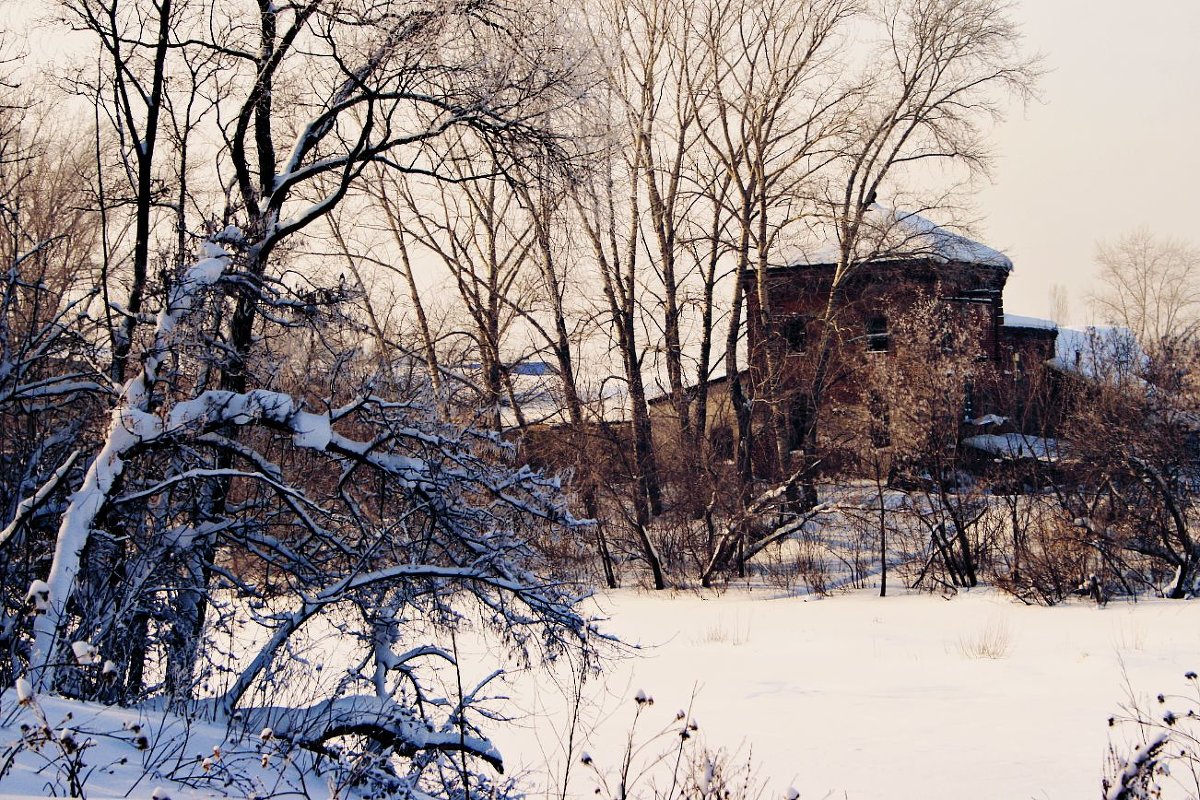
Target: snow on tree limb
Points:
(30, 504)
(477, 527)
(380, 719)
(524, 586)
(131, 425)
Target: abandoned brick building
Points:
(797, 347)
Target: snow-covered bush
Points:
(1164, 758)
(208, 508)
(50, 387)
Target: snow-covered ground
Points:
(856, 696)
(853, 696)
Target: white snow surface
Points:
(853, 696)
(857, 696)
(988, 419)
(312, 430)
(893, 233)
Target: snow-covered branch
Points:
(131, 425)
(381, 720)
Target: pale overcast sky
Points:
(1114, 146)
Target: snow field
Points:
(912, 696)
(853, 696)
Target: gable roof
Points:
(896, 235)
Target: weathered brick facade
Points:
(807, 348)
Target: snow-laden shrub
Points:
(214, 529)
(1163, 760)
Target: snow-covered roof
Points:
(539, 394)
(1014, 446)
(1018, 321)
(531, 368)
(1098, 351)
(891, 234)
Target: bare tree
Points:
(1149, 285)
(545, 196)
(941, 72)
(608, 202)
(614, 238)
(1059, 304)
(385, 192)
(137, 47)
(335, 490)
(770, 106)
(386, 84)
(476, 227)
(947, 68)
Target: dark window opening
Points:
(795, 333)
(720, 440)
(877, 334)
(879, 426)
(969, 400)
(799, 420)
